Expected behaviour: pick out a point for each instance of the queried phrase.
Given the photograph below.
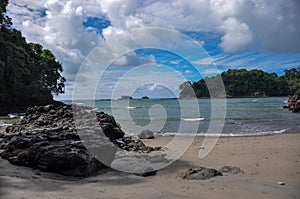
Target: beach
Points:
(265, 160)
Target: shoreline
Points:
(265, 160)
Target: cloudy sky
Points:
(252, 34)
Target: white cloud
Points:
(243, 23)
(211, 71)
(58, 25)
(237, 35)
(264, 61)
(203, 61)
(131, 59)
(153, 87)
(267, 25)
(187, 72)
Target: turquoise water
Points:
(244, 116)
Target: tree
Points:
(292, 76)
(29, 74)
(244, 83)
(4, 20)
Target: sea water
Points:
(243, 116)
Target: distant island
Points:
(244, 83)
(128, 97)
(125, 97)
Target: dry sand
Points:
(265, 160)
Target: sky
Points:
(224, 34)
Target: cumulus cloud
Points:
(271, 26)
(131, 59)
(264, 25)
(237, 35)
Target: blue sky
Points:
(249, 34)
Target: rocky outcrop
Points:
(200, 173)
(50, 139)
(146, 134)
(54, 151)
(203, 173)
(294, 102)
(231, 169)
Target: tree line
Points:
(244, 83)
(29, 74)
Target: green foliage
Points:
(292, 76)
(28, 73)
(4, 20)
(254, 83)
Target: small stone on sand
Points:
(281, 183)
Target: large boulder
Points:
(59, 152)
(48, 139)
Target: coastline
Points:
(265, 160)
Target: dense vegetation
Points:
(244, 83)
(29, 74)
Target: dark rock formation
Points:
(50, 139)
(294, 102)
(230, 169)
(146, 134)
(133, 144)
(54, 151)
(200, 173)
(203, 173)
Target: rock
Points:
(146, 134)
(143, 164)
(47, 139)
(230, 169)
(133, 144)
(51, 152)
(294, 102)
(200, 173)
(148, 172)
(281, 183)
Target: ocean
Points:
(243, 116)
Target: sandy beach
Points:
(265, 161)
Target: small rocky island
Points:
(294, 102)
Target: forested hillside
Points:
(29, 74)
(244, 83)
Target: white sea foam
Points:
(12, 115)
(222, 134)
(193, 119)
(2, 124)
(131, 107)
(135, 107)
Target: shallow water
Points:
(244, 116)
